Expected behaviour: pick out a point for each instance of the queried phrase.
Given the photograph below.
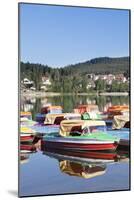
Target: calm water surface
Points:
(46, 173)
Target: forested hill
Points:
(73, 77)
(102, 65)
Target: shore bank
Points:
(51, 94)
(114, 94)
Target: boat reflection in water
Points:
(25, 151)
(83, 170)
(24, 158)
(85, 164)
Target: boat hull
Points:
(83, 145)
(27, 138)
(123, 134)
(92, 155)
(24, 147)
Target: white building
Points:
(46, 82)
(26, 81)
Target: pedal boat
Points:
(81, 135)
(27, 134)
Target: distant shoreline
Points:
(114, 94)
(51, 94)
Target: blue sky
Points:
(59, 36)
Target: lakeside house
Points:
(109, 78)
(27, 84)
(46, 83)
(26, 81)
(90, 84)
(120, 78)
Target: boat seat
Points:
(127, 125)
(76, 133)
(58, 120)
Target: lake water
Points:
(47, 173)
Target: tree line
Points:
(73, 78)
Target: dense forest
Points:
(73, 78)
(103, 65)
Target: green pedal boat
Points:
(81, 135)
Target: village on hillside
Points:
(46, 83)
